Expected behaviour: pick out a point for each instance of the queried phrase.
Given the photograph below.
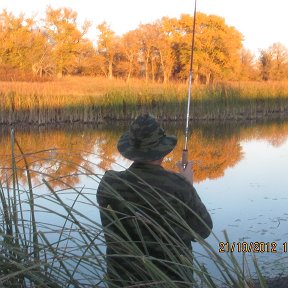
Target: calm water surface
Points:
(240, 174)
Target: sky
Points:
(261, 22)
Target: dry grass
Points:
(85, 97)
(81, 86)
(70, 91)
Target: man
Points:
(150, 215)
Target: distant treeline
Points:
(159, 51)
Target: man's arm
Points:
(198, 217)
(102, 191)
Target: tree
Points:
(279, 61)
(66, 39)
(130, 46)
(147, 45)
(108, 47)
(273, 62)
(164, 49)
(165, 46)
(219, 48)
(247, 69)
(265, 64)
(21, 44)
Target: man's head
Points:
(145, 140)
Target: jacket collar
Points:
(146, 165)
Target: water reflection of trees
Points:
(275, 134)
(63, 155)
(211, 155)
(60, 155)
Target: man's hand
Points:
(186, 171)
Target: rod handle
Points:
(184, 157)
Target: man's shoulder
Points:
(156, 172)
(159, 176)
(177, 177)
(110, 178)
(167, 178)
(112, 173)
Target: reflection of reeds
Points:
(89, 100)
(67, 248)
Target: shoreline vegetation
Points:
(99, 100)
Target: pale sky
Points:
(261, 22)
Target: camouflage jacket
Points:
(157, 209)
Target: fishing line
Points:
(185, 150)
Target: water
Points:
(250, 203)
(240, 174)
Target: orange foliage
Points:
(62, 156)
(212, 156)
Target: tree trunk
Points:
(110, 69)
(208, 75)
(152, 71)
(130, 68)
(146, 71)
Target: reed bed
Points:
(53, 239)
(96, 100)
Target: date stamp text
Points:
(253, 247)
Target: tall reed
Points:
(94, 100)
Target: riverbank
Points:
(97, 100)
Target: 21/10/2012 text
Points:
(255, 247)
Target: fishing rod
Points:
(185, 150)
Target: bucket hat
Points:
(145, 140)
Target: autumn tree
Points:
(148, 51)
(43, 64)
(218, 48)
(21, 42)
(165, 46)
(181, 33)
(279, 59)
(273, 62)
(265, 64)
(157, 51)
(108, 48)
(147, 45)
(248, 68)
(14, 36)
(68, 42)
(130, 46)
